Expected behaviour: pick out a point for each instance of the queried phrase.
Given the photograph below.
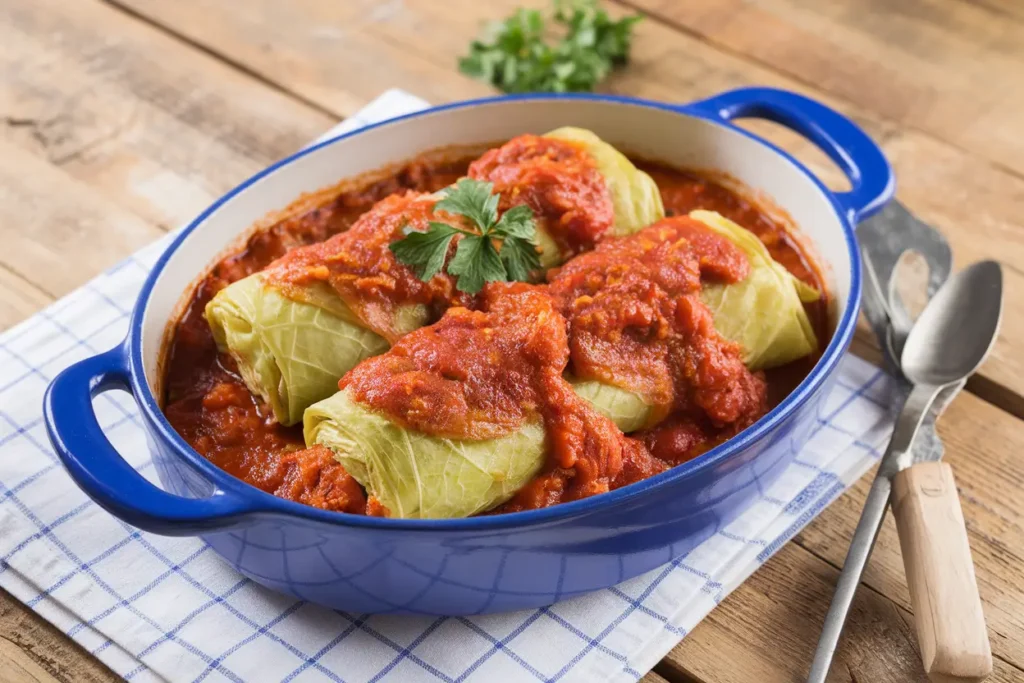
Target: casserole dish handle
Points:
(860, 158)
(101, 472)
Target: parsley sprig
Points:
(491, 250)
(514, 56)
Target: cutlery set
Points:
(933, 357)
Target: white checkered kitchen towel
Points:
(157, 608)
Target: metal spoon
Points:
(946, 345)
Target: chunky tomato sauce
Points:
(691, 374)
(636, 321)
(364, 272)
(554, 178)
(684, 192)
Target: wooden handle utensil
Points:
(940, 574)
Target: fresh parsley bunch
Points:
(493, 250)
(513, 55)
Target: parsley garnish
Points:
(514, 56)
(478, 258)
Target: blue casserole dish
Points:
(503, 562)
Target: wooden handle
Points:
(940, 574)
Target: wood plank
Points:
(20, 299)
(767, 629)
(951, 69)
(152, 124)
(338, 55)
(18, 667)
(315, 43)
(315, 48)
(56, 230)
(654, 677)
(33, 650)
(983, 446)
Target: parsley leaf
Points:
(425, 251)
(472, 199)
(520, 258)
(517, 222)
(476, 261)
(490, 250)
(514, 56)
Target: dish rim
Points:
(263, 503)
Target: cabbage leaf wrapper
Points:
(764, 313)
(293, 333)
(291, 353)
(419, 475)
(629, 410)
(414, 474)
(636, 199)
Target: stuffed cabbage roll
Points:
(642, 343)
(624, 300)
(415, 474)
(295, 328)
(579, 187)
(461, 416)
(278, 343)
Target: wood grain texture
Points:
(776, 618)
(32, 650)
(20, 298)
(17, 667)
(950, 69)
(337, 55)
(766, 631)
(57, 245)
(309, 47)
(651, 677)
(146, 122)
(314, 48)
(951, 631)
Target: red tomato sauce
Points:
(554, 178)
(685, 191)
(636, 322)
(364, 272)
(692, 375)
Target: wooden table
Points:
(122, 119)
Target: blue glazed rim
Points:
(720, 110)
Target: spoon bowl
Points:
(957, 329)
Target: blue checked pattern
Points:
(155, 608)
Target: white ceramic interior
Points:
(649, 132)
